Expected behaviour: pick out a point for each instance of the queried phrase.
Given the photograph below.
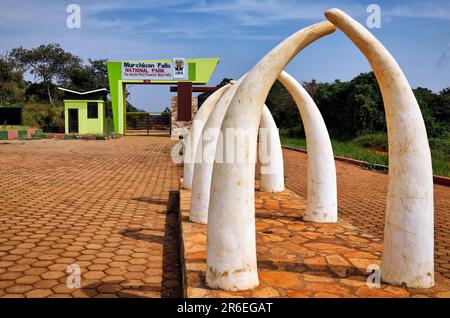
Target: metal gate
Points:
(148, 123)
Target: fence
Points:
(148, 123)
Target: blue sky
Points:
(239, 32)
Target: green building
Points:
(84, 112)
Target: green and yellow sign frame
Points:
(197, 71)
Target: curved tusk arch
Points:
(408, 236)
(270, 154)
(204, 156)
(322, 192)
(272, 174)
(195, 134)
(231, 244)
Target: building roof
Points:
(95, 94)
(82, 93)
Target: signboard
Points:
(155, 70)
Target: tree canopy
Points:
(351, 109)
(48, 62)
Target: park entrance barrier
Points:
(148, 123)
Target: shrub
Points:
(48, 116)
(293, 132)
(376, 141)
(109, 126)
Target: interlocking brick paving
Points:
(102, 205)
(362, 201)
(296, 258)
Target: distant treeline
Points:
(354, 109)
(51, 66)
(351, 109)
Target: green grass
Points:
(441, 164)
(354, 150)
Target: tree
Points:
(12, 84)
(80, 79)
(88, 77)
(311, 87)
(283, 107)
(47, 62)
(99, 72)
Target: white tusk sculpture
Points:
(322, 192)
(204, 157)
(271, 154)
(231, 244)
(195, 134)
(272, 172)
(408, 235)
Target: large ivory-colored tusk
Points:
(322, 193)
(231, 244)
(272, 178)
(270, 154)
(408, 235)
(195, 134)
(204, 157)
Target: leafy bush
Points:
(293, 132)
(375, 141)
(49, 117)
(109, 126)
(441, 144)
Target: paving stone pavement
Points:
(298, 259)
(106, 206)
(362, 201)
(103, 205)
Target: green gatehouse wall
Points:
(95, 126)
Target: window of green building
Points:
(92, 110)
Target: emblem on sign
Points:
(179, 68)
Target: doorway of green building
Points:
(73, 120)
